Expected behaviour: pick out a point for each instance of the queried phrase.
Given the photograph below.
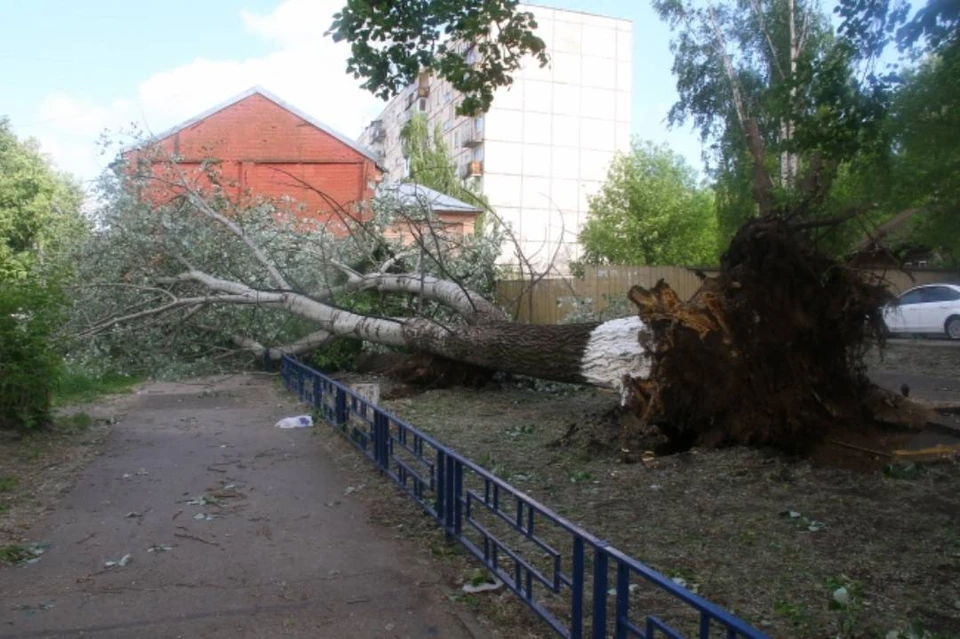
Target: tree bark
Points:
(597, 354)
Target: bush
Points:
(338, 355)
(30, 365)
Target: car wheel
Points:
(953, 328)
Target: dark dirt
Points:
(233, 529)
(720, 520)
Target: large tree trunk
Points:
(597, 354)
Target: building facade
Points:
(546, 143)
(264, 147)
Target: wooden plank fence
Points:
(545, 302)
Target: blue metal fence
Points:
(580, 585)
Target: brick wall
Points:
(266, 151)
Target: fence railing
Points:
(578, 584)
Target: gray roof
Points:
(283, 105)
(417, 194)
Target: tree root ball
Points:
(768, 352)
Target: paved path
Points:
(286, 554)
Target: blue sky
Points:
(69, 70)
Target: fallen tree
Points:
(195, 260)
(770, 351)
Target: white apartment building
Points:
(545, 144)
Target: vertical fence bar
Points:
(704, 625)
(317, 392)
(441, 484)
(457, 497)
(340, 414)
(623, 600)
(576, 604)
(600, 591)
(448, 509)
(381, 438)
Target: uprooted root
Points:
(769, 352)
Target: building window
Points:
(422, 105)
(478, 153)
(478, 124)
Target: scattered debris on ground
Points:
(39, 467)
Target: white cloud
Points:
(306, 69)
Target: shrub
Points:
(30, 365)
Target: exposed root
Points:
(769, 352)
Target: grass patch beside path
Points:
(37, 467)
(78, 388)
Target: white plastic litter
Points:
(303, 421)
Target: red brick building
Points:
(262, 146)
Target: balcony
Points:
(471, 139)
(473, 168)
(423, 85)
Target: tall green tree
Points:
(38, 206)
(39, 220)
(430, 163)
(474, 44)
(924, 164)
(651, 211)
(775, 97)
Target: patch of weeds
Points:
(904, 471)
(518, 431)
(76, 423)
(442, 548)
(811, 525)
(8, 483)
(846, 598)
(479, 576)
(487, 461)
(19, 553)
(4, 508)
(914, 630)
(500, 470)
(78, 387)
(579, 476)
(471, 601)
(796, 614)
(29, 453)
(684, 579)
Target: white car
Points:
(933, 309)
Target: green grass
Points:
(76, 387)
(8, 483)
(14, 554)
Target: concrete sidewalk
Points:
(254, 534)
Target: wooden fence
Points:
(547, 301)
